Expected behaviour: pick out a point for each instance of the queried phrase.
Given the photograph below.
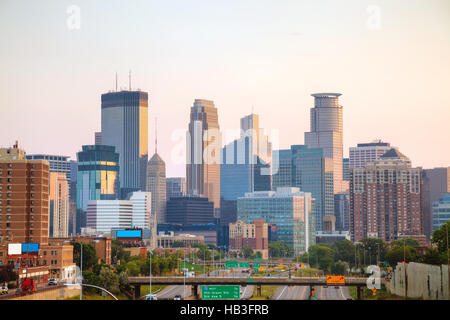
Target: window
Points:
(32, 209)
(9, 195)
(32, 217)
(8, 217)
(9, 173)
(9, 165)
(9, 180)
(45, 253)
(8, 225)
(31, 231)
(32, 195)
(8, 209)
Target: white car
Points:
(151, 297)
(52, 282)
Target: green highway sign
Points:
(256, 265)
(220, 292)
(249, 281)
(256, 259)
(231, 264)
(244, 265)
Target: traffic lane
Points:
(332, 293)
(291, 293)
(171, 291)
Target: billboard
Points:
(30, 247)
(129, 234)
(14, 248)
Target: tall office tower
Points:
(203, 153)
(58, 205)
(441, 212)
(308, 169)
(156, 184)
(98, 138)
(24, 189)
(57, 163)
(367, 152)
(176, 187)
(327, 133)
(342, 211)
(436, 183)
(125, 126)
(98, 178)
(73, 197)
(289, 208)
(346, 169)
(104, 215)
(245, 162)
(385, 199)
(142, 210)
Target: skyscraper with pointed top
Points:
(203, 153)
(156, 184)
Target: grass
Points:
(155, 289)
(307, 272)
(266, 293)
(98, 296)
(381, 294)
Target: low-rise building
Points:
(249, 235)
(166, 240)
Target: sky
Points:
(389, 60)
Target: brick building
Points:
(249, 235)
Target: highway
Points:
(291, 293)
(332, 293)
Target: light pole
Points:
(81, 275)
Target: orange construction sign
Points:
(335, 279)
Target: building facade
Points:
(24, 198)
(125, 126)
(249, 235)
(291, 210)
(58, 205)
(367, 152)
(98, 178)
(385, 199)
(342, 211)
(327, 132)
(104, 215)
(441, 211)
(175, 187)
(203, 153)
(436, 183)
(190, 210)
(156, 185)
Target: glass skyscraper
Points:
(291, 210)
(308, 169)
(441, 211)
(125, 126)
(98, 178)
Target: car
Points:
(4, 289)
(177, 297)
(336, 287)
(52, 282)
(151, 297)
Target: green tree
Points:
(399, 254)
(373, 249)
(340, 268)
(439, 237)
(118, 253)
(344, 250)
(90, 277)
(109, 280)
(280, 249)
(433, 256)
(7, 274)
(247, 252)
(89, 256)
(407, 241)
(133, 268)
(321, 257)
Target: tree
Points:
(247, 252)
(109, 280)
(339, 268)
(7, 274)
(178, 244)
(399, 254)
(344, 250)
(406, 241)
(133, 268)
(118, 253)
(433, 256)
(89, 256)
(123, 280)
(373, 249)
(439, 238)
(280, 249)
(321, 257)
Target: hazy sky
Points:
(393, 72)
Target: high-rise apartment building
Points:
(58, 205)
(125, 126)
(291, 210)
(203, 153)
(104, 215)
(436, 183)
(385, 199)
(156, 184)
(57, 163)
(327, 133)
(175, 187)
(24, 197)
(367, 152)
(307, 169)
(98, 178)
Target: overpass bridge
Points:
(195, 282)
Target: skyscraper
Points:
(307, 169)
(156, 184)
(367, 152)
(203, 153)
(176, 187)
(385, 199)
(58, 205)
(98, 178)
(125, 126)
(327, 133)
(245, 162)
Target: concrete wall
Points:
(422, 281)
(55, 294)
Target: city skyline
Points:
(397, 70)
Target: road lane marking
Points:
(281, 293)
